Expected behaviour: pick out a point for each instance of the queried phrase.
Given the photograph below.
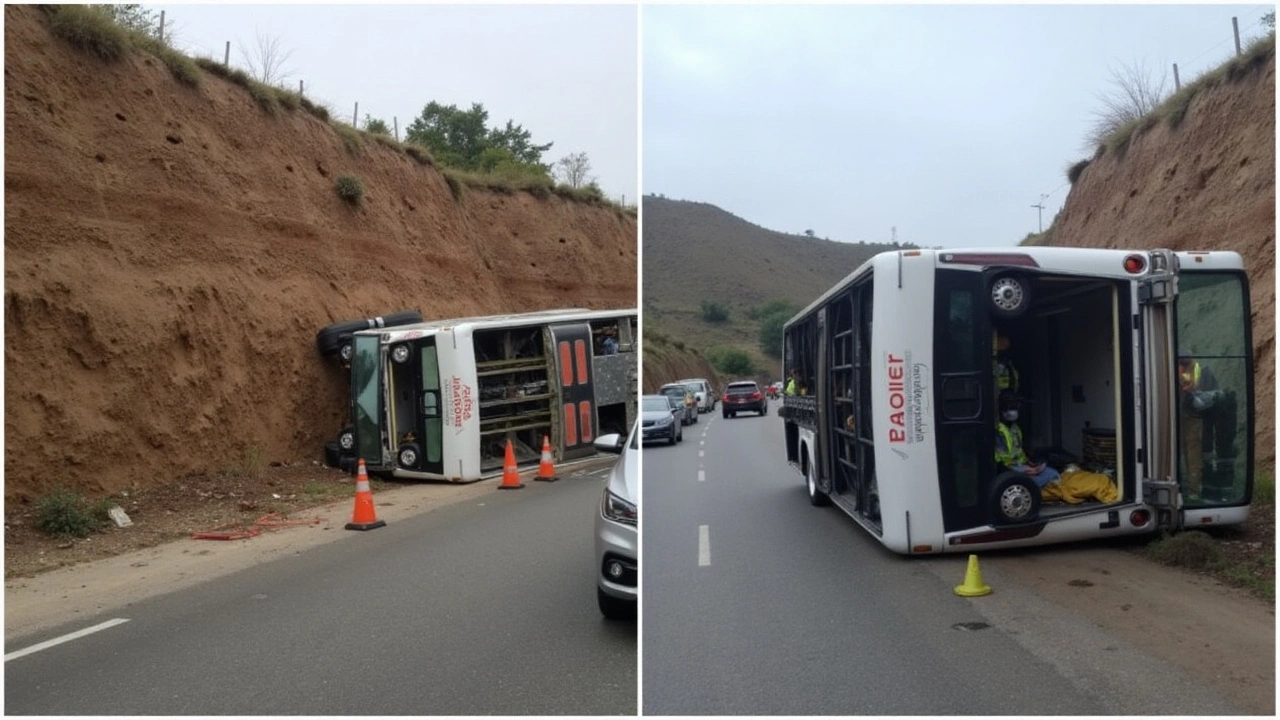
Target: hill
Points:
(1199, 174)
(695, 252)
(171, 249)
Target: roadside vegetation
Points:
(458, 142)
(64, 514)
(1243, 557)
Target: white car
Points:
(702, 393)
(617, 548)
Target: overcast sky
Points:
(566, 73)
(947, 122)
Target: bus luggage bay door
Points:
(577, 417)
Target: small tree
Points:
(732, 361)
(376, 126)
(266, 60)
(714, 312)
(574, 170)
(1269, 20)
(140, 19)
(1134, 93)
(809, 233)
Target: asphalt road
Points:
(754, 602)
(483, 607)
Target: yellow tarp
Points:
(1076, 486)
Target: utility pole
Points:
(893, 235)
(1040, 210)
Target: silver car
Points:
(682, 397)
(617, 549)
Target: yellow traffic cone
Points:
(973, 585)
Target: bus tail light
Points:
(1134, 264)
(985, 259)
(1139, 518)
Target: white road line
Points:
(65, 638)
(704, 546)
(702, 476)
(702, 442)
(702, 453)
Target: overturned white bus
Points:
(439, 400)
(1136, 368)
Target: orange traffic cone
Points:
(363, 517)
(546, 469)
(510, 477)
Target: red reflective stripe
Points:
(566, 365)
(581, 347)
(570, 429)
(584, 410)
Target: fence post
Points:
(395, 123)
(355, 115)
(161, 26)
(300, 87)
(1235, 28)
(1177, 84)
(226, 59)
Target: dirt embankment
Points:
(170, 253)
(664, 363)
(1208, 184)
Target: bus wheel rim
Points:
(1015, 501)
(1006, 293)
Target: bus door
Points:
(573, 353)
(417, 406)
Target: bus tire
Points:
(332, 454)
(1010, 296)
(817, 497)
(331, 338)
(1015, 499)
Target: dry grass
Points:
(1174, 109)
(93, 30)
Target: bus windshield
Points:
(1214, 384)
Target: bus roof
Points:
(1103, 262)
(481, 322)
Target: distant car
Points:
(684, 394)
(703, 395)
(617, 549)
(659, 419)
(744, 395)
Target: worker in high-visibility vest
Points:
(1006, 374)
(1010, 451)
(1203, 408)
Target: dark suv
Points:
(746, 395)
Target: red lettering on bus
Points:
(897, 435)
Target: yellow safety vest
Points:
(1190, 380)
(791, 386)
(1012, 453)
(1006, 375)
